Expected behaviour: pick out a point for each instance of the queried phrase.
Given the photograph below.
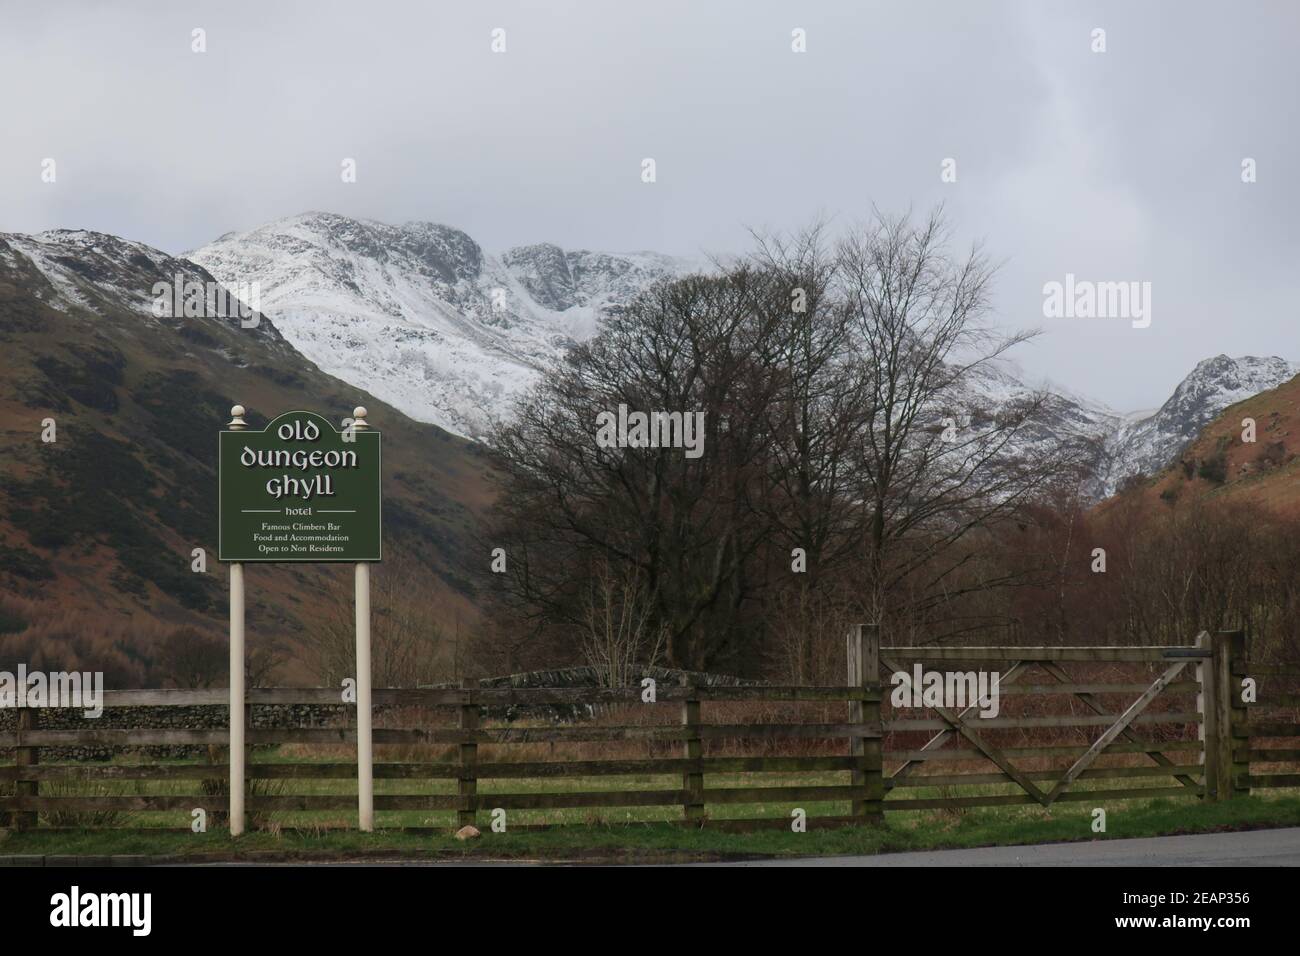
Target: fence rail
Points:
(1265, 734)
(452, 725)
(1119, 723)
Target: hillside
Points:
(98, 526)
(1219, 465)
(1147, 445)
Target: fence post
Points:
(248, 759)
(873, 747)
(1208, 729)
(855, 678)
(467, 781)
(1230, 661)
(863, 642)
(692, 782)
(25, 756)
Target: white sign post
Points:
(236, 674)
(332, 515)
(365, 744)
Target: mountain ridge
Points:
(427, 320)
(447, 338)
(1225, 462)
(1147, 445)
(99, 521)
(450, 334)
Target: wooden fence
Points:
(1073, 724)
(1265, 735)
(462, 746)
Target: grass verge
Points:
(659, 842)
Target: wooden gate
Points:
(1071, 724)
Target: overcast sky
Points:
(1122, 165)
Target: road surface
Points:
(1252, 848)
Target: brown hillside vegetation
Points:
(1213, 541)
(1220, 466)
(97, 527)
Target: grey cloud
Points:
(1123, 165)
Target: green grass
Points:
(612, 837)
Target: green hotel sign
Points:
(299, 491)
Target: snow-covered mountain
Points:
(1063, 415)
(1140, 443)
(1148, 444)
(420, 315)
(83, 269)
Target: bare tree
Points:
(621, 638)
(189, 658)
(929, 477)
(809, 623)
(849, 467)
(262, 663)
(686, 524)
(812, 425)
(408, 645)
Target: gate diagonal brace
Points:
(1113, 731)
(1010, 675)
(993, 753)
(1057, 671)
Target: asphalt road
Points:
(1252, 848)
(1245, 848)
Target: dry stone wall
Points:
(213, 717)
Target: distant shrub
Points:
(16, 613)
(60, 637)
(1272, 455)
(10, 622)
(190, 658)
(93, 383)
(1214, 469)
(1132, 482)
(24, 564)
